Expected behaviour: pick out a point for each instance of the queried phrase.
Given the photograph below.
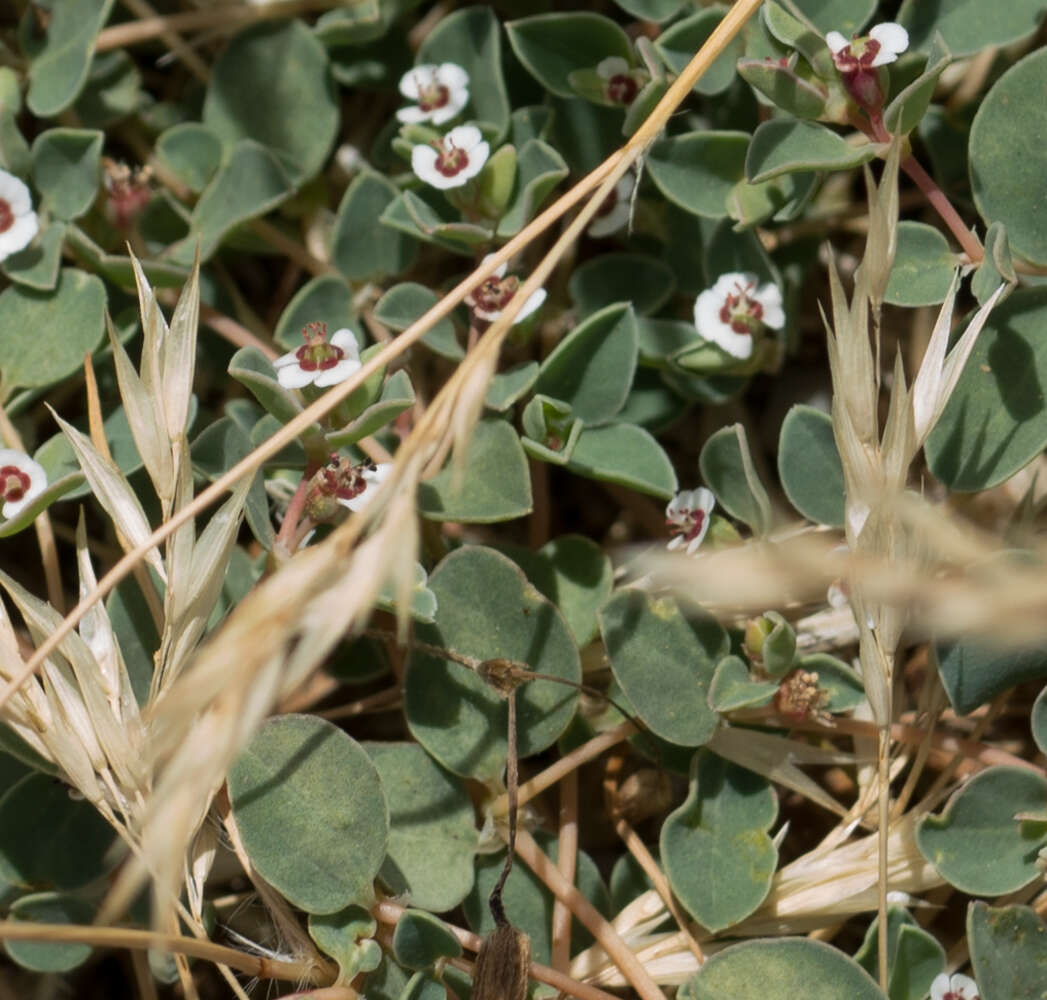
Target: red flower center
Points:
(434, 96)
(857, 56)
(740, 311)
(622, 89)
(14, 483)
(7, 217)
(687, 522)
(316, 354)
(495, 293)
(451, 160)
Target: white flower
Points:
(317, 362)
(494, 294)
(955, 987)
(736, 308)
(457, 157)
(441, 92)
(622, 82)
(368, 479)
(687, 518)
(614, 212)
(18, 222)
(881, 46)
(22, 480)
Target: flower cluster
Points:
(22, 480)
(442, 92)
(858, 62)
(621, 82)
(613, 213)
(18, 222)
(735, 311)
(318, 362)
(687, 518)
(343, 483)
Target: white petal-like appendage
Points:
(413, 80)
(412, 115)
(612, 66)
(457, 99)
(338, 373)
(477, 158)
(20, 235)
(464, 137)
(345, 340)
(294, 376)
(836, 42)
(452, 76)
(15, 193)
(534, 302)
(893, 39)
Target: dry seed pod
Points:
(502, 965)
(644, 793)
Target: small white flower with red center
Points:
(441, 92)
(456, 158)
(621, 82)
(884, 43)
(687, 518)
(344, 483)
(495, 293)
(735, 309)
(318, 362)
(614, 212)
(18, 222)
(22, 480)
(955, 987)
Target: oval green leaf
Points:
(968, 26)
(488, 610)
(652, 637)
(47, 334)
(786, 145)
(1008, 951)
(421, 940)
(49, 908)
(361, 247)
(192, 151)
(978, 823)
(637, 278)
(432, 836)
(678, 44)
(717, 854)
(974, 673)
(809, 465)
(624, 454)
(66, 167)
(311, 812)
(923, 266)
(592, 368)
(698, 170)
(325, 299)
(404, 303)
(727, 469)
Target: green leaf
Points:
(117, 268)
(979, 822)
(472, 39)
(678, 44)
(528, 903)
(551, 46)
(539, 168)
(494, 484)
(311, 812)
(996, 420)
(404, 303)
(43, 955)
(254, 370)
(423, 602)
(795, 966)
(1008, 951)
(651, 10)
(846, 16)
(396, 397)
(715, 848)
(914, 957)
(923, 266)
(907, 108)
(997, 265)
(37, 266)
(66, 169)
(324, 299)
(592, 368)
(1038, 721)
(583, 133)
(191, 151)
(784, 87)
(638, 278)
(652, 637)
(510, 386)
(411, 214)
(550, 430)
(248, 185)
(348, 937)
(38, 823)
(575, 574)
(809, 465)
(794, 33)
(1006, 165)
(732, 687)
(421, 940)
(842, 685)
(969, 26)
(113, 91)
(652, 405)
(47, 334)
(727, 469)
(59, 67)
(624, 454)
(272, 84)
(974, 673)
(698, 170)
(361, 247)
(432, 836)
(784, 146)
(488, 610)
